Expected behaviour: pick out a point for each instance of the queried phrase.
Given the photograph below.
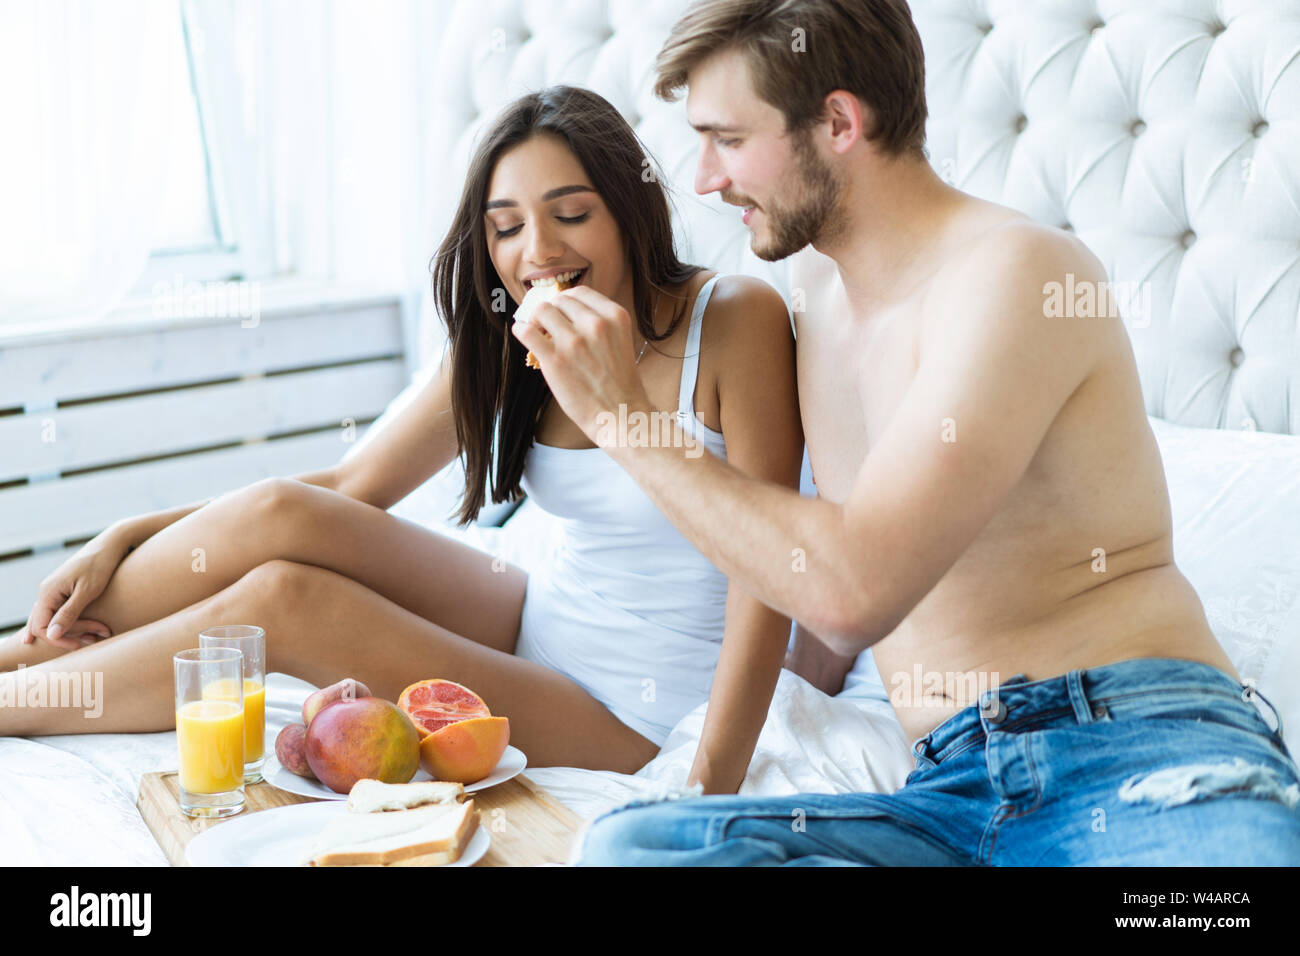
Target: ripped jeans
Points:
(1144, 762)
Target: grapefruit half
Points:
(466, 751)
(434, 704)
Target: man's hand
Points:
(584, 343)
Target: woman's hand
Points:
(56, 616)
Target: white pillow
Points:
(1235, 497)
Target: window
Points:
(212, 223)
(188, 220)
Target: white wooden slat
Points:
(163, 423)
(183, 355)
(81, 506)
(20, 578)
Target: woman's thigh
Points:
(326, 626)
(432, 575)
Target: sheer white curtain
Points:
(314, 112)
(343, 92)
(86, 130)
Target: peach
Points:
(290, 750)
(347, 688)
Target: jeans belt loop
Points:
(1084, 712)
(1249, 690)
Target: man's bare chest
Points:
(852, 377)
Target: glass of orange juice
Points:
(251, 641)
(210, 731)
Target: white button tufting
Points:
(1236, 356)
(1206, 153)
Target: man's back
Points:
(1075, 568)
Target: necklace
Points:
(642, 352)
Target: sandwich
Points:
(374, 796)
(429, 835)
(543, 291)
(397, 824)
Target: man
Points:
(992, 517)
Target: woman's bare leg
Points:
(323, 626)
(432, 575)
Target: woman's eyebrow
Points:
(546, 197)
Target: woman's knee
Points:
(273, 509)
(284, 585)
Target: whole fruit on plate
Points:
(290, 750)
(347, 688)
(368, 737)
(433, 704)
(465, 751)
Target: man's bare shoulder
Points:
(1001, 284)
(1016, 253)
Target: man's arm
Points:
(991, 380)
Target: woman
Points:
(596, 657)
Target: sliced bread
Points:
(375, 796)
(429, 835)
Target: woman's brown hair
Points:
(497, 401)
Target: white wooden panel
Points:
(131, 362)
(19, 580)
(81, 506)
(164, 423)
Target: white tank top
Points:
(615, 543)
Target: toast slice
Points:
(374, 796)
(535, 296)
(430, 835)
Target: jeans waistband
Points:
(1128, 688)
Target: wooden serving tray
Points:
(528, 826)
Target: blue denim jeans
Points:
(1145, 762)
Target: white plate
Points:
(511, 763)
(283, 837)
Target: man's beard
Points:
(812, 216)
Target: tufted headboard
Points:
(1165, 133)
